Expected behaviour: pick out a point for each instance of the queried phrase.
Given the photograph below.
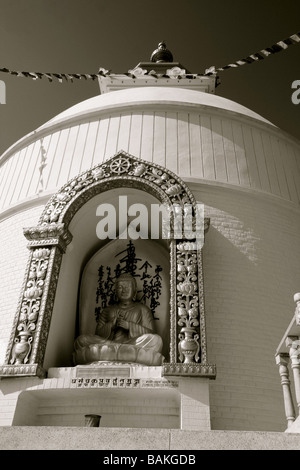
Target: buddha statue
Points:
(125, 331)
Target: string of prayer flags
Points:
(262, 54)
(257, 56)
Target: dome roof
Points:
(152, 95)
(198, 136)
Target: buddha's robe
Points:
(106, 343)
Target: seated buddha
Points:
(125, 331)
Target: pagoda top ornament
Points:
(161, 54)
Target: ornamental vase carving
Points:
(188, 346)
(21, 348)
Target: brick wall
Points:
(194, 402)
(147, 413)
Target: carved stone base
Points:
(191, 369)
(104, 369)
(7, 370)
(118, 353)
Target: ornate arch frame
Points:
(48, 242)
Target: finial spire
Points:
(161, 54)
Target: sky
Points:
(79, 36)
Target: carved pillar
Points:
(26, 349)
(297, 311)
(293, 343)
(282, 360)
(188, 303)
(188, 355)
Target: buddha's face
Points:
(125, 290)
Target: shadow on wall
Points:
(243, 330)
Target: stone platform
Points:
(124, 395)
(80, 438)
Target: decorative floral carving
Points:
(175, 72)
(22, 369)
(45, 314)
(190, 369)
(187, 247)
(137, 72)
(163, 179)
(188, 304)
(140, 169)
(44, 231)
(48, 234)
(121, 165)
(174, 189)
(56, 205)
(30, 306)
(98, 173)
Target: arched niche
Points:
(68, 319)
(65, 240)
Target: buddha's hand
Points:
(123, 323)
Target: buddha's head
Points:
(126, 287)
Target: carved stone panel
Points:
(26, 348)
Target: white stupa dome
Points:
(195, 134)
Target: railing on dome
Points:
(288, 359)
